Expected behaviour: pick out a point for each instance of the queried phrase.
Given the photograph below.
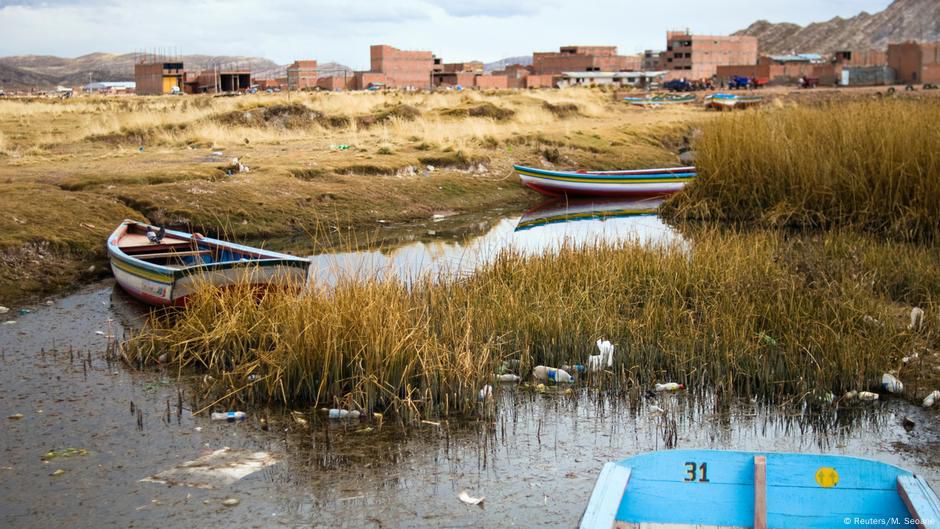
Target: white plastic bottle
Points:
(867, 395)
(550, 374)
(931, 399)
(669, 386)
(230, 416)
(891, 384)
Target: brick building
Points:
(401, 68)
(915, 62)
(302, 75)
(220, 81)
(158, 78)
(699, 56)
(584, 59)
(860, 58)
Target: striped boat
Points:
(660, 100)
(166, 272)
(686, 489)
(731, 101)
(643, 182)
(561, 211)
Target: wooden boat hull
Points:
(213, 262)
(659, 101)
(713, 488)
(731, 101)
(648, 182)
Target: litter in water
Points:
(217, 469)
(468, 499)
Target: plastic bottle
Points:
(867, 395)
(550, 374)
(931, 399)
(230, 416)
(336, 413)
(891, 384)
(669, 386)
(508, 377)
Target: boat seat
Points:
(171, 254)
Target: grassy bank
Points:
(744, 314)
(346, 160)
(872, 165)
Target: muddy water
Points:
(534, 461)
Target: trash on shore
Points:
(891, 384)
(605, 356)
(872, 321)
(57, 472)
(217, 469)
(917, 319)
(4, 310)
(465, 497)
(15, 416)
(850, 395)
(867, 396)
(931, 399)
(656, 410)
(337, 413)
(550, 374)
(230, 502)
(508, 377)
(669, 386)
(908, 424)
(486, 392)
(229, 416)
(432, 423)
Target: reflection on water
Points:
(543, 229)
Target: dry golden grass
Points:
(874, 165)
(738, 314)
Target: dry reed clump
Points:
(483, 109)
(871, 165)
(737, 314)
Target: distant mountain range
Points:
(45, 70)
(902, 20)
(524, 60)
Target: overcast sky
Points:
(338, 30)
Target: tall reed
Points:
(873, 165)
(748, 314)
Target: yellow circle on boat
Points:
(827, 477)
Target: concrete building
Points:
(866, 76)
(456, 74)
(652, 60)
(302, 75)
(915, 62)
(110, 87)
(584, 59)
(621, 79)
(158, 77)
(220, 81)
(699, 56)
(400, 68)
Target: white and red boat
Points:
(641, 182)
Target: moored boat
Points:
(731, 101)
(163, 267)
(660, 100)
(642, 182)
(714, 488)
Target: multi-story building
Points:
(158, 77)
(401, 68)
(915, 62)
(584, 59)
(302, 75)
(699, 56)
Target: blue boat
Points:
(712, 488)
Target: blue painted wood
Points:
(852, 492)
(605, 501)
(921, 502)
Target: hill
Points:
(524, 60)
(901, 21)
(47, 70)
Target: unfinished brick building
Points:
(915, 62)
(699, 56)
(158, 77)
(401, 69)
(302, 75)
(584, 59)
